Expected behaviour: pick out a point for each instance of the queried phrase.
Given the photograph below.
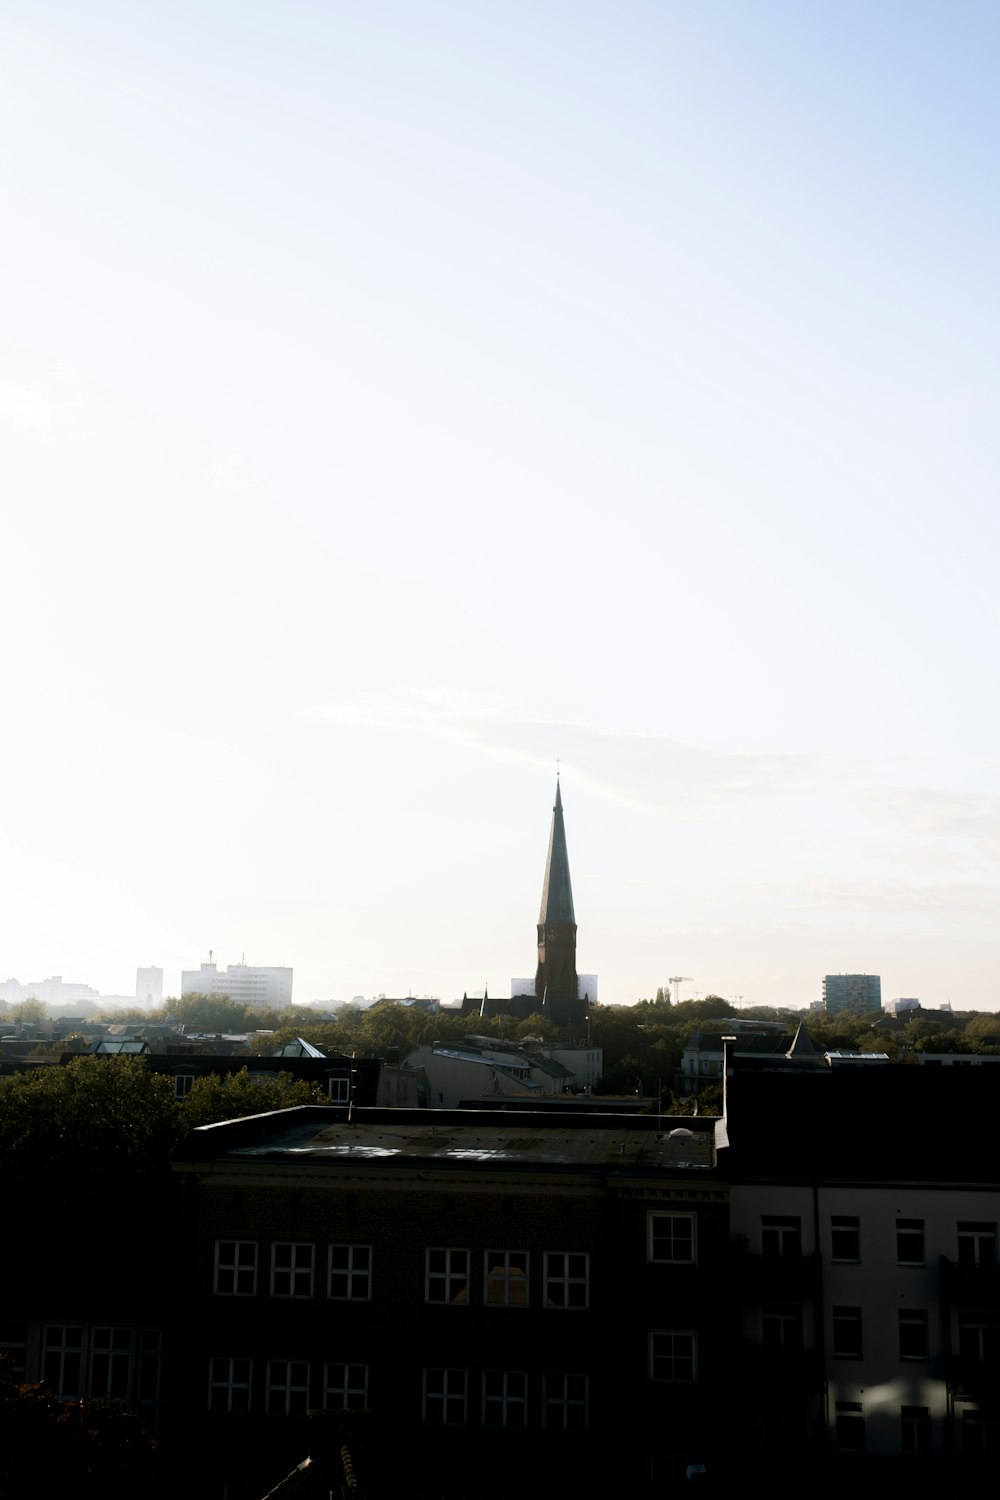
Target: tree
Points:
(212, 1098)
(30, 1012)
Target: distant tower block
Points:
(556, 985)
(149, 987)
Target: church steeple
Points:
(557, 890)
(556, 986)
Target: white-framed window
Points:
(977, 1243)
(847, 1342)
(673, 1355)
(915, 1429)
(236, 1268)
(229, 1384)
(781, 1236)
(287, 1387)
(567, 1279)
(446, 1397)
(566, 1402)
(980, 1434)
(672, 1238)
(448, 1277)
(979, 1339)
(505, 1278)
(345, 1387)
(110, 1363)
(292, 1269)
(845, 1237)
(339, 1090)
(910, 1242)
(781, 1326)
(182, 1084)
(913, 1333)
(63, 1360)
(350, 1273)
(505, 1398)
(849, 1428)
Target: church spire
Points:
(557, 889)
(556, 984)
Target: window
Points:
(236, 1268)
(345, 1387)
(915, 1429)
(980, 1434)
(913, 1333)
(977, 1243)
(110, 1363)
(847, 1332)
(63, 1366)
(672, 1238)
(506, 1278)
(565, 1403)
(979, 1340)
(287, 1387)
(567, 1279)
(672, 1356)
(292, 1270)
(182, 1084)
(505, 1398)
(845, 1237)
(781, 1327)
(445, 1393)
(339, 1090)
(781, 1237)
(850, 1429)
(448, 1276)
(350, 1278)
(910, 1242)
(229, 1385)
(14, 1344)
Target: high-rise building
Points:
(857, 992)
(149, 986)
(247, 983)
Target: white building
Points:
(149, 987)
(249, 984)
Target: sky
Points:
(397, 399)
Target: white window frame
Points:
(849, 1418)
(183, 1083)
(566, 1402)
(63, 1359)
(781, 1236)
(843, 1225)
(236, 1259)
(973, 1235)
(287, 1392)
(567, 1280)
(230, 1384)
(781, 1326)
(505, 1398)
(355, 1270)
(345, 1386)
(111, 1363)
(447, 1280)
(673, 1356)
(446, 1397)
(506, 1276)
(913, 1318)
(848, 1333)
(299, 1270)
(339, 1089)
(915, 1430)
(909, 1229)
(665, 1246)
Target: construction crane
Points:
(677, 981)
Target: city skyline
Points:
(397, 400)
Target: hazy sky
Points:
(397, 396)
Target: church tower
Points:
(556, 986)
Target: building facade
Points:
(248, 984)
(854, 992)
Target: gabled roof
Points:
(557, 891)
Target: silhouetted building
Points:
(855, 992)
